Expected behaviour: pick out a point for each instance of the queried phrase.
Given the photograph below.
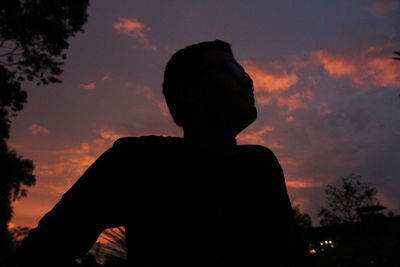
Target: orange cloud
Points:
(300, 184)
(274, 84)
(106, 77)
(365, 69)
(90, 86)
(67, 165)
(259, 137)
(384, 72)
(269, 80)
(112, 134)
(136, 29)
(290, 118)
(131, 27)
(35, 129)
(336, 66)
(163, 107)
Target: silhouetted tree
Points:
(115, 249)
(344, 198)
(18, 233)
(34, 34)
(15, 173)
(33, 40)
(303, 219)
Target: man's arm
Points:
(71, 228)
(300, 256)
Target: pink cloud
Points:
(274, 84)
(366, 68)
(89, 86)
(269, 80)
(336, 66)
(162, 106)
(131, 27)
(112, 134)
(144, 91)
(106, 77)
(302, 183)
(35, 130)
(135, 29)
(259, 137)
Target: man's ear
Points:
(190, 95)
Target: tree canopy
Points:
(33, 41)
(34, 36)
(344, 198)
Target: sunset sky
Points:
(327, 90)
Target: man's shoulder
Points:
(258, 150)
(145, 142)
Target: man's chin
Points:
(244, 121)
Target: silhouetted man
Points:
(200, 200)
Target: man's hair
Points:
(180, 71)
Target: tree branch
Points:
(11, 52)
(10, 64)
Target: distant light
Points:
(326, 242)
(322, 243)
(330, 241)
(313, 251)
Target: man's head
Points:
(203, 83)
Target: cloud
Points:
(135, 29)
(257, 136)
(270, 79)
(144, 91)
(106, 77)
(382, 7)
(35, 130)
(147, 93)
(336, 66)
(274, 84)
(66, 165)
(112, 134)
(163, 107)
(131, 27)
(302, 183)
(315, 114)
(366, 69)
(89, 86)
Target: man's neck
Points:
(215, 143)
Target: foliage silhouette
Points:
(116, 246)
(34, 34)
(33, 40)
(344, 198)
(18, 233)
(303, 219)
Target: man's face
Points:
(226, 92)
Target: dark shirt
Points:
(180, 206)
